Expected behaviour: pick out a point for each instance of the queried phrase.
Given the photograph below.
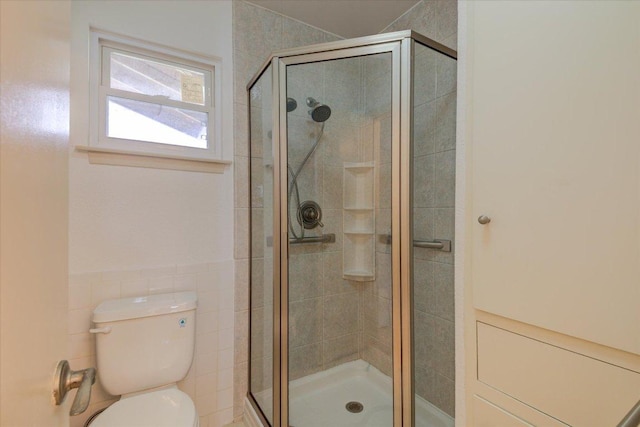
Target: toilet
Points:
(144, 346)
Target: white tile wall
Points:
(210, 379)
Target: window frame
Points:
(102, 44)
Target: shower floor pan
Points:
(320, 400)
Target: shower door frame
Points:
(401, 47)
(394, 48)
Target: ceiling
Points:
(345, 18)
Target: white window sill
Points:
(107, 156)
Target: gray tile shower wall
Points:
(324, 325)
(376, 336)
(434, 179)
(350, 320)
(257, 32)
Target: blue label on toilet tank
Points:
(183, 322)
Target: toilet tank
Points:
(144, 342)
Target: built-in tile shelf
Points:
(359, 222)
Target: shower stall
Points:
(350, 234)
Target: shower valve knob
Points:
(483, 219)
(310, 215)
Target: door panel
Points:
(34, 133)
(556, 165)
(571, 387)
(340, 292)
(261, 318)
(486, 414)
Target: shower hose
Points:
(293, 184)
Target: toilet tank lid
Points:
(144, 306)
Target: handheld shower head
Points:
(318, 112)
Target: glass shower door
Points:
(340, 321)
(434, 115)
(261, 257)
(352, 217)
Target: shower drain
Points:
(354, 407)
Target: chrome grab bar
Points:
(325, 238)
(443, 245)
(632, 419)
(439, 244)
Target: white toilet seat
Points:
(164, 408)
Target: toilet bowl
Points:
(144, 346)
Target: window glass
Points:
(145, 121)
(141, 75)
(150, 99)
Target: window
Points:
(152, 100)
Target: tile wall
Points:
(436, 19)
(350, 320)
(434, 186)
(434, 165)
(256, 32)
(210, 379)
(377, 340)
(324, 309)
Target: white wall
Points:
(138, 230)
(130, 217)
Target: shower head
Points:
(318, 112)
(291, 105)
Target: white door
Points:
(551, 92)
(556, 165)
(34, 136)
